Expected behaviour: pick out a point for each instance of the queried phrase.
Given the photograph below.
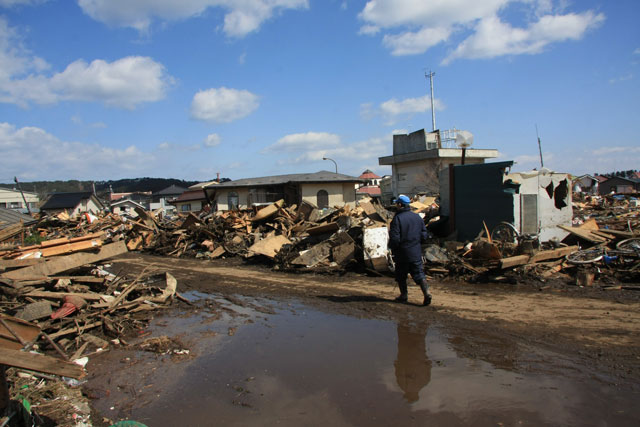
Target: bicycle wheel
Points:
(585, 256)
(504, 232)
(629, 246)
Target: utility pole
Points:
(15, 178)
(539, 147)
(433, 110)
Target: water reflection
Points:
(413, 367)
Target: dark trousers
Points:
(403, 269)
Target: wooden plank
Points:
(330, 227)
(89, 296)
(74, 330)
(583, 234)
(60, 264)
(553, 253)
(15, 333)
(40, 363)
(269, 246)
(540, 256)
(514, 261)
(18, 263)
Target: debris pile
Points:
(60, 305)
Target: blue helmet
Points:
(403, 199)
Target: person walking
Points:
(406, 234)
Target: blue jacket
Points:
(406, 233)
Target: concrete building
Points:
(534, 202)
(322, 189)
(419, 157)
(12, 199)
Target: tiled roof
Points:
(172, 190)
(373, 190)
(65, 200)
(368, 175)
(322, 176)
(190, 195)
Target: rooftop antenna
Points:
(539, 147)
(433, 111)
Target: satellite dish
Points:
(464, 139)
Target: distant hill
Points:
(128, 185)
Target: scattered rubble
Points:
(61, 303)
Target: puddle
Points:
(260, 362)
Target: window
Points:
(3, 204)
(323, 199)
(186, 207)
(232, 200)
(15, 205)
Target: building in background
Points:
(419, 157)
(73, 203)
(322, 189)
(12, 199)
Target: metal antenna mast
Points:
(433, 111)
(539, 147)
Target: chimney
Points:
(218, 176)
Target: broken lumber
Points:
(61, 264)
(40, 363)
(540, 256)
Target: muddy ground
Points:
(586, 333)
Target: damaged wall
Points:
(551, 205)
(534, 202)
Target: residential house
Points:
(191, 201)
(73, 203)
(587, 184)
(620, 185)
(322, 189)
(534, 202)
(371, 186)
(418, 158)
(162, 199)
(126, 207)
(12, 199)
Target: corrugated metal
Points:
(480, 196)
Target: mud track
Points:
(596, 332)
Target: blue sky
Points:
(109, 89)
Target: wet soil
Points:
(264, 347)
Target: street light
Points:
(334, 162)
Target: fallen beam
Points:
(65, 263)
(40, 363)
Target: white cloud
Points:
(637, 51)
(10, 3)
(242, 17)
(414, 26)
(306, 142)
(621, 78)
(223, 105)
(496, 38)
(393, 109)
(56, 159)
(212, 140)
(124, 83)
(411, 43)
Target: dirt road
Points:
(597, 330)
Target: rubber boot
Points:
(424, 287)
(404, 294)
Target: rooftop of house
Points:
(372, 190)
(191, 195)
(65, 200)
(10, 216)
(172, 190)
(322, 176)
(368, 174)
